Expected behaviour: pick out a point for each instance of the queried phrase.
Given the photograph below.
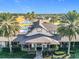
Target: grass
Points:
(75, 54)
(16, 55)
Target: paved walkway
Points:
(38, 55)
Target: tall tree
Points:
(31, 15)
(55, 19)
(8, 27)
(71, 27)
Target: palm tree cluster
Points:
(55, 19)
(8, 27)
(71, 27)
(30, 16)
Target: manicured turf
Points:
(76, 53)
(16, 55)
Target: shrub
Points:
(59, 53)
(6, 49)
(54, 47)
(46, 53)
(16, 49)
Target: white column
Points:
(3, 44)
(45, 45)
(32, 45)
(49, 46)
(29, 47)
(35, 47)
(42, 47)
(21, 46)
(61, 44)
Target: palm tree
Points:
(27, 15)
(31, 15)
(54, 19)
(47, 17)
(8, 27)
(71, 29)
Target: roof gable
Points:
(38, 29)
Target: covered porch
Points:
(41, 43)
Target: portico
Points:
(39, 43)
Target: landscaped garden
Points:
(16, 53)
(75, 51)
(61, 52)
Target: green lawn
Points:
(75, 54)
(16, 55)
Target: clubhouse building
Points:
(40, 37)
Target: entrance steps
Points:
(38, 55)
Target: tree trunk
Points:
(10, 46)
(73, 44)
(69, 44)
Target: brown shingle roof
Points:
(43, 40)
(50, 27)
(38, 38)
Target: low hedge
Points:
(5, 49)
(47, 53)
(59, 52)
(14, 49)
(21, 54)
